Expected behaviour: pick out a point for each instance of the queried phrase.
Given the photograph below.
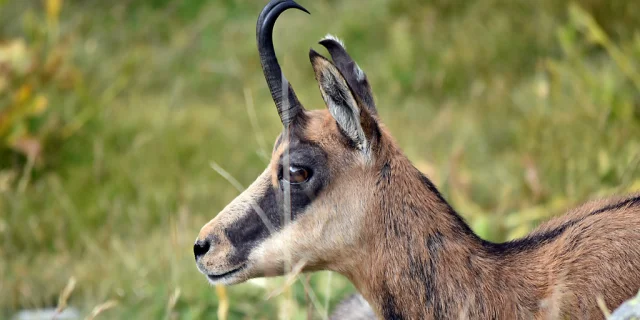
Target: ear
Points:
(346, 108)
(356, 78)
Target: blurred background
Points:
(113, 112)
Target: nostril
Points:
(200, 248)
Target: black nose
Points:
(200, 248)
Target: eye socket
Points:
(297, 175)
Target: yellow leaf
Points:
(53, 10)
(23, 94)
(40, 105)
(64, 296)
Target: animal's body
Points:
(340, 195)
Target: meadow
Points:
(114, 114)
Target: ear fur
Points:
(340, 100)
(356, 78)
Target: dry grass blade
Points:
(223, 302)
(251, 112)
(307, 299)
(235, 183)
(101, 308)
(327, 294)
(26, 175)
(294, 275)
(596, 34)
(312, 300)
(64, 296)
(171, 304)
(291, 278)
(603, 307)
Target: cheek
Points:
(324, 232)
(339, 216)
(340, 220)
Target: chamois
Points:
(340, 195)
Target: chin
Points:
(231, 277)
(226, 281)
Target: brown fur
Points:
(597, 256)
(382, 224)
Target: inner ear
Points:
(340, 100)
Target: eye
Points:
(298, 175)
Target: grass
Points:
(114, 111)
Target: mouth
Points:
(226, 275)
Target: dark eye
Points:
(298, 175)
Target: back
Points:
(591, 253)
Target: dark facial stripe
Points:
(250, 230)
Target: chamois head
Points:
(309, 204)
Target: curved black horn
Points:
(281, 91)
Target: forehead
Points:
(319, 129)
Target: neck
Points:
(424, 262)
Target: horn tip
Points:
(298, 6)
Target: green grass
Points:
(517, 110)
